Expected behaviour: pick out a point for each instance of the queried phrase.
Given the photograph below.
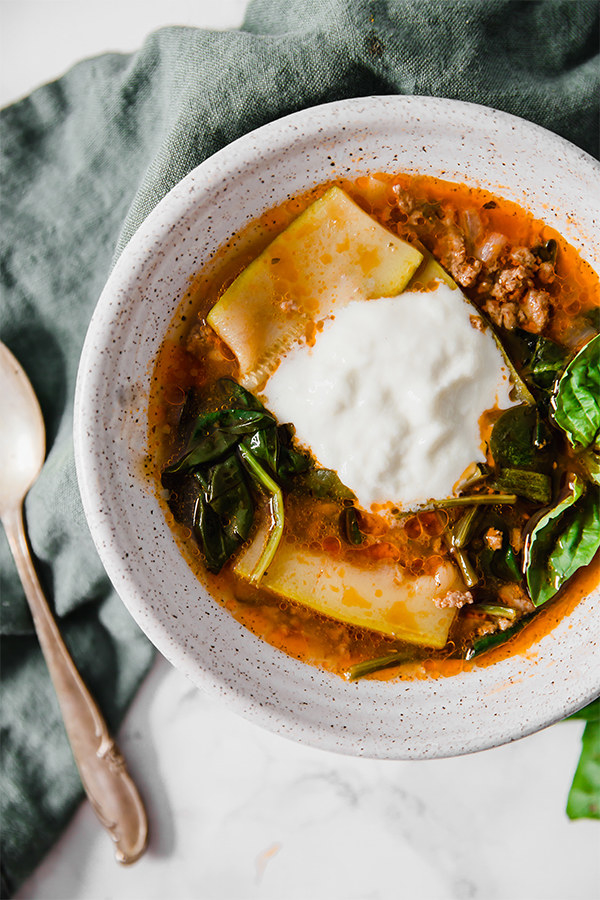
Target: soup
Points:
(375, 423)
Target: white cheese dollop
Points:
(391, 392)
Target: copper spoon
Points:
(106, 781)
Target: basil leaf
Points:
(564, 539)
(576, 401)
(584, 796)
(590, 463)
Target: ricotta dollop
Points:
(391, 393)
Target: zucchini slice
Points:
(380, 597)
(333, 253)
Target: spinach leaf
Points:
(228, 451)
(563, 540)
(540, 360)
(264, 445)
(291, 461)
(534, 486)
(516, 441)
(324, 484)
(576, 401)
(498, 565)
(547, 362)
(216, 544)
(216, 433)
(229, 496)
(234, 396)
(584, 796)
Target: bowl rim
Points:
(122, 283)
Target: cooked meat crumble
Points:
(454, 599)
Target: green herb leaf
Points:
(534, 486)
(590, 463)
(546, 363)
(264, 445)
(291, 462)
(514, 441)
(563, 540)
(324, 484)
(216, 433)
(234, 396)
(215, 543)
(584, 797)
(539, 359)
(228, 495)
(498, 565)
(576, 401)
(496, 638)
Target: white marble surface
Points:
(240, 813)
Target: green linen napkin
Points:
(83, 161)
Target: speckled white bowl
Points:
(443, 717)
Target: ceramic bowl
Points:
(388, 719)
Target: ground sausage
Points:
(534, 310)
(454, 599)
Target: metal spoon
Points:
(109, 787)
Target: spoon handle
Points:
(110, 789)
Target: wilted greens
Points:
(234, 458)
